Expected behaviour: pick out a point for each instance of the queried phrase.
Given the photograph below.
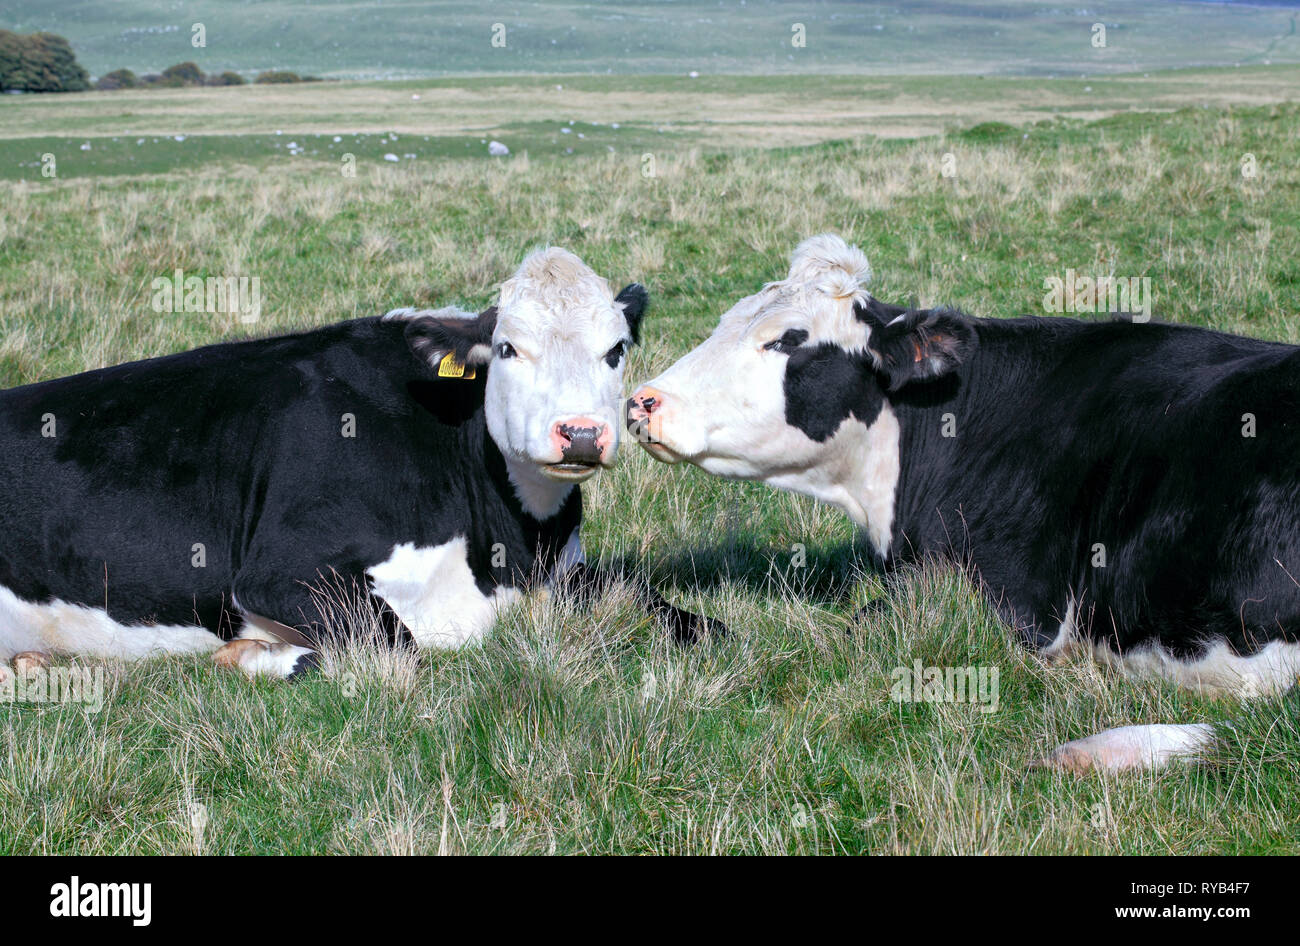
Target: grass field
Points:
(411, 38)
(572, 731)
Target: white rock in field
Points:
(497, 149)
(693, 74)
(415, 96)
(85, 146)
(338, 138)
(180, 137)
(566, 131)
(391, 157)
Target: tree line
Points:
(45, 62)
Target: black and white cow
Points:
(428, 460)
(1129, 488)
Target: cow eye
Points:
(615, 355)
(788, 342)
(506, 350)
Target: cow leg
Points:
(1131, 748)
(258, 658)
(686, 627)
(284, 624)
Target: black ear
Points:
(634, 298)
(432, 338)
(921, 345)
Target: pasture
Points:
(584, 730)
(421, 38)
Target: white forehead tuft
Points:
(556, 281)
(828, 264)
(827, 280)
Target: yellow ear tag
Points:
(449, 367)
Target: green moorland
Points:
(574, 730)
(410, 38)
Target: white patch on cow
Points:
(1271, 670)
(59, 627)
(410, 312)
(1066, 634)
(274, 660)
(857, 471)
(434, 593)
(1134, 747)
(540, 495)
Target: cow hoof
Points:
(30, 660)
(262, 659)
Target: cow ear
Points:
(468, 340)
(920, 346)
(633, 298)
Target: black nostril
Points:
(649, 403)
(583, 444)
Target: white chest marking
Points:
(434, 593)
(858, 472)
(879, 484)
(62, 628)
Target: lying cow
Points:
(428, 461)
(1131, 488)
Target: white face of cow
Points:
(792, 387)
(554, 346)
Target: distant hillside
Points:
(418, 38)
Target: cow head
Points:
(554, 347)
(793, 387)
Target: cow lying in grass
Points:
(426, 461)
(1128, 488)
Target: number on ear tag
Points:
(449, 367)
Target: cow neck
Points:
(522, 485)
(984, 398)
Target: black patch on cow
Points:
(825, 385)
(634, 298)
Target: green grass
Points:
(585, 731)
